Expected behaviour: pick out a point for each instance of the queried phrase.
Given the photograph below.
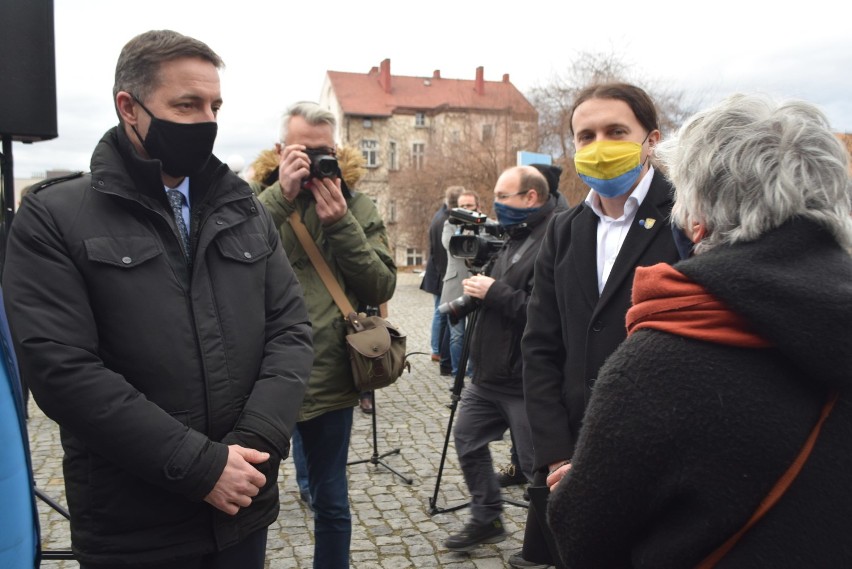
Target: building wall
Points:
(445, 133)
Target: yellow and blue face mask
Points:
(610, 167)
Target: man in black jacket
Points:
(158, 322)
(584, 276)
(494, 401)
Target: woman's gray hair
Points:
(749, 164)
(313, 114)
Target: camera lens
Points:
(327, 167)
(458, 308)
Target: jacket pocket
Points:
(124, 252)
(123, 503)
(244, 248)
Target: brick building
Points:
(419, 135)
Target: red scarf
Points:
(665, 299)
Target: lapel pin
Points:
(647, 223)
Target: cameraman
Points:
(494, 401)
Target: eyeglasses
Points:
(501, 197)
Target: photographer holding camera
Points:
(352, 238)
(494, 401)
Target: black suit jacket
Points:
(571, 329)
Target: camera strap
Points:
(318, 261)
(778, 489)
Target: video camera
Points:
(478, 243)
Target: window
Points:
(391, 211)
(420, 119)
(487, 132)
(413, 256)
(418, 155)
(370, 150)
(368, 122)
(393, 156)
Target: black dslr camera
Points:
(323, 164)
(478, 243)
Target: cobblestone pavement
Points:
(393, 526)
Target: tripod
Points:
(458, 385)
(376, 458)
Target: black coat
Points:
(150, 370)
(684, 438)
(495, 350)
(571, 329)
(436, 264)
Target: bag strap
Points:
(777, 490)
(320, 265)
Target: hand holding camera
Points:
(314, 170)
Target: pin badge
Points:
(647, 223)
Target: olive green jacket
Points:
(357, 252)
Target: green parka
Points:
(356, 249)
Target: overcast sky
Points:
(277, 53)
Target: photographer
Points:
(494, 401)
(351, 236)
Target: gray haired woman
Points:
(733, 357)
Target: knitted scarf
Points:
(665, 299)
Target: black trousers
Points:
(535, 542)
(250, 553)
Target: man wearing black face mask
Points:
(157, 321)
(494, 400)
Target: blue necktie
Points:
(176, 200)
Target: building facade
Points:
(419, 135)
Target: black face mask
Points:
(183, 148)
(683, 243)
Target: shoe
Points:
(366, 405)
(474, 534)
(446, 371)
(436, 357)
(510, 475)
(518, 562)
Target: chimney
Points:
(479, 87)
(385, 76)
(436, 74)
(505, 78)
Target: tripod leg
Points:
(375, 458)
(458, 385)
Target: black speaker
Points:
(27, 70)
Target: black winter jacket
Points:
(495, 350)
(683, 438)
(149, 369)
